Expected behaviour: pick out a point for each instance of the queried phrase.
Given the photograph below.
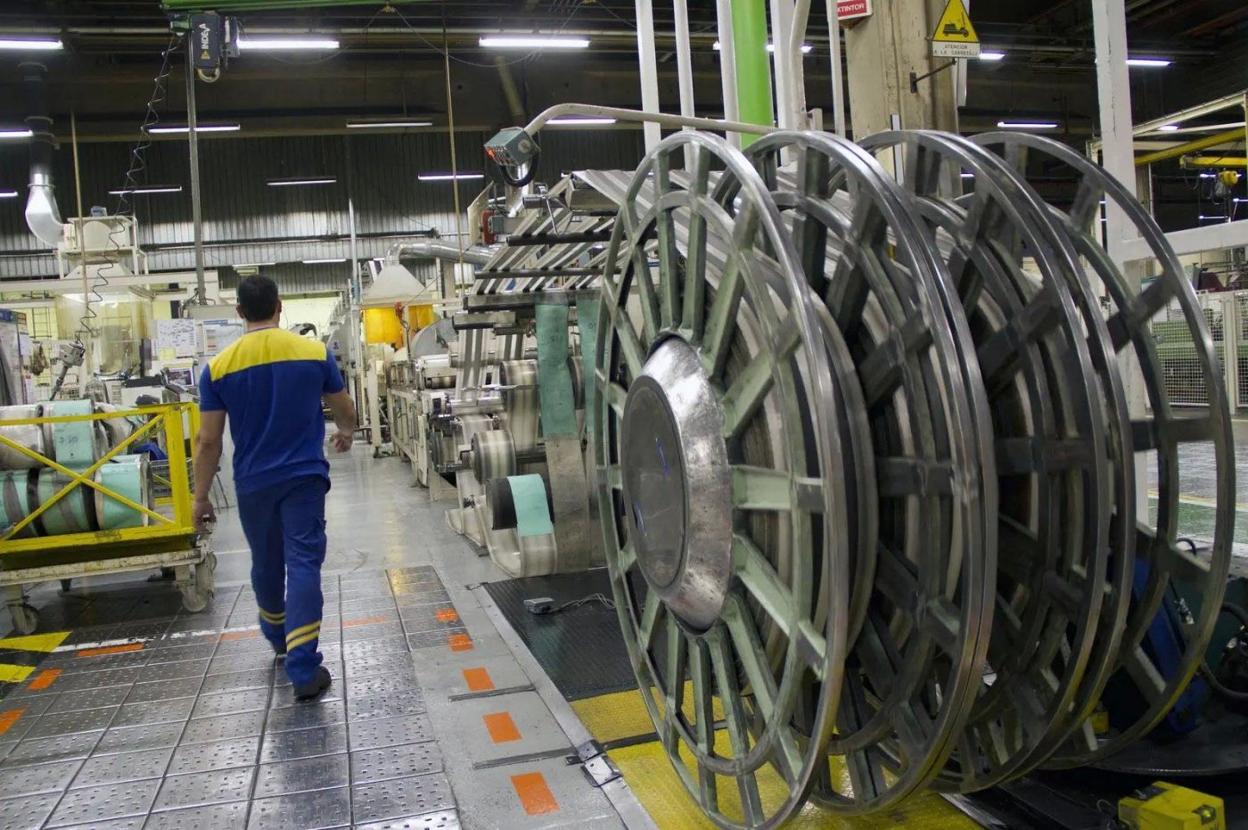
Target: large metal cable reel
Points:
(1160, 431)
(679, 489)
(1048, 431)
(929, 603)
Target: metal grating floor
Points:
(144, 717)
(581, 648)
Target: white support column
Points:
(727, 66)
(782, 65)
(1109, 19)
(684, 68)
(838, 82)
(649, 69)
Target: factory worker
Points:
(270, 384)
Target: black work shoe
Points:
(314, 688)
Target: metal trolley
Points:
(164, 538)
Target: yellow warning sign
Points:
(955, 35)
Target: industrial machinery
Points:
(870, 453)
(82, 495)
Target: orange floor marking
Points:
(459, 642)
(7, 719)
(44, 679)
(478, 680)
(100, 652)
(447, 615)
(535, 795)
(364, 621)
(239, 635)
(501, 727)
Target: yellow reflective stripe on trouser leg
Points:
(270, 617)
(306, 638)
(300, 631)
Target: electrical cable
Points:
(577, 603)
(1220, 688)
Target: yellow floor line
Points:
(35, 642)
(10, 673)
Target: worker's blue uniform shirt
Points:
(270, 382)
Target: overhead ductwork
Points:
(439, 249)
(43, 217)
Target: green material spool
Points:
(74, 444)
(554, 381)
(21, 491)
(528, 493)
(587, 321)
(127, 475)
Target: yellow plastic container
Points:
(383, 325)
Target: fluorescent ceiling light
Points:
(533, 42)
(1027, 125)
(1155, 63)
(326, 261)
(199, 128)
(1212, 218)
(8, 194)
(580, 122)
(32, 44)
(14, 135)
(144, 189)
(771, 47)
(363, 125)
(991, 57)
(295, 181)
(968, 175)
(1208, 175)
(287, 44)
(448, 177)
(254, 264)
(1168, 128)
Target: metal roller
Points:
(493, 455)
(867, 468)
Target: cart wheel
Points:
(25, 618)
(66, 584)
(195, 599)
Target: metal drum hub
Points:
(677, 484)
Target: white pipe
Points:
(838, 82)
(798, 24)
(782, 66)
(728, 66)
(684, 70)
(673, 121)
(649, 67)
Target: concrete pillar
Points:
(882, 51)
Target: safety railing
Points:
(171, 421)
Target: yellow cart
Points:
(165, 535)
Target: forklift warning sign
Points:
(955, 36)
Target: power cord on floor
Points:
(542, 606)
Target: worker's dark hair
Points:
(257, 298)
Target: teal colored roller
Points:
(554, 382)
(528, 494)
(127, 475)
(74, 444)
(22, 491)
(587, 322)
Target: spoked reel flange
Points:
(719, 490)
(925, 606)
(1163, 568)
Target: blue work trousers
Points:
(285, 528)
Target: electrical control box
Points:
(1164, 806)
(512, 147)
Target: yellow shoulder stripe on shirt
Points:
(262, 347)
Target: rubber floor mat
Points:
(580, 648)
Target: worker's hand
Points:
(204, 514)
(343, 440)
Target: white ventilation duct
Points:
(438, 249)
(43, 217)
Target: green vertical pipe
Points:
(749, 45)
